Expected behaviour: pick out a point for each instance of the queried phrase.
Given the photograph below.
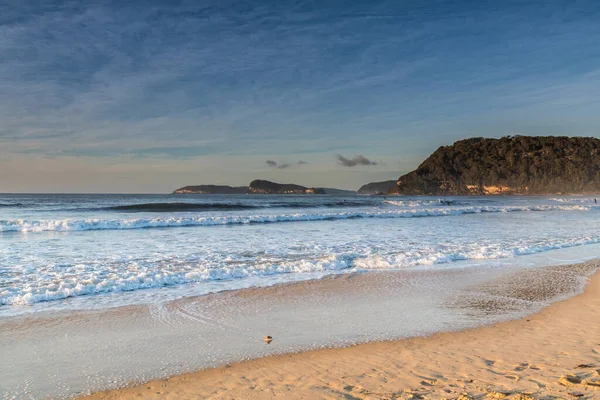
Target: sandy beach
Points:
(552, 354)
(299, 200)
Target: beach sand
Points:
(552, 354)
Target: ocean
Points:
(55, 248)
(143, 270)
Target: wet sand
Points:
(554, 353)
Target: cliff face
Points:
(510, 165)
(377, 187)
(212, 189)
(267, 187)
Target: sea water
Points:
(97, 291)
(59, 247)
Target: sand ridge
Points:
(554, 354)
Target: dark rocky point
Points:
(528, 165)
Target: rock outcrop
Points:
(510, 165)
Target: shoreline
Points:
(553, 352)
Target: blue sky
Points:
(147, 96)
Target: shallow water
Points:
(97, 291)
(56, 247)
(62, 354)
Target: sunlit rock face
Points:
(510, 165)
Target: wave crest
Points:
(158, 222)
(140, 276)
(182, 207)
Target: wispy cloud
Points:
(274, 164)
(155, 80)
(353, 162)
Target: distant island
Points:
(533, 165)
(212, 189)
(337, 192)
(258, 186)
(268, 187)
(377, 187)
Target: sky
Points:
(148, 96)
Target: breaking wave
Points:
(174, 207)
(416, 203)
(2, 205)
(82, 280)
(573, 200)
(17, 225)
(182, 207)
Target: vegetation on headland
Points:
(509, 165)
(212, 189)
(377, 187)
(256, 186)
(268, 187)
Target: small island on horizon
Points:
(260, 186)
(517, 165)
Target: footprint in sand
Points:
(489, 363)
(523, 396)
(569, 380)
(428, 381)
(497, 394)
(541, 385)
(523, 366)
(512, 377)
(585, 366)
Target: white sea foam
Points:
(384, 234)
(80, 280)
(56, 282)
(421, 203)
(574, 200)
(162, 222)
(487, 252)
